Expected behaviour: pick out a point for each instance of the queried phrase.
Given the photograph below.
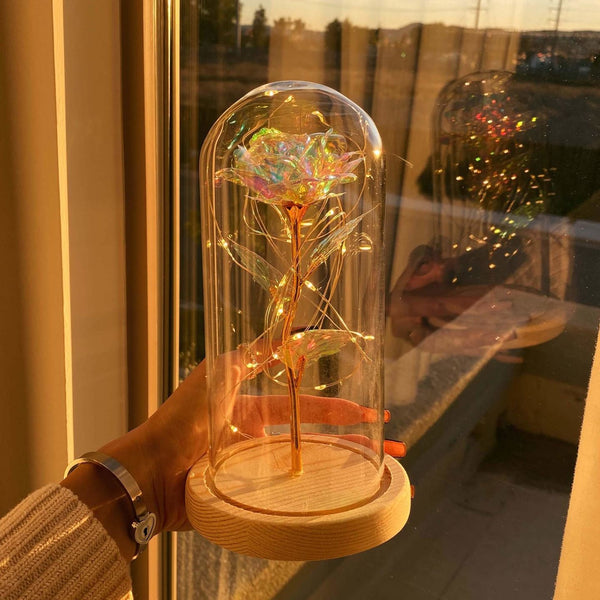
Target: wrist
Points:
(133, 453)
(111, 490)
(107, 500)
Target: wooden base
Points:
(340, 505)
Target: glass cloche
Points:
(291, 181)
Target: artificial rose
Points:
(292, 169)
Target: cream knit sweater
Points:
(51, 546)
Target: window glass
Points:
(490, 116)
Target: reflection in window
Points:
(490, 117)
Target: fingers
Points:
(435, 301)
(275, 410)
(394, 448)
(249, 414)
(253, 413)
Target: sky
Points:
(506, 14)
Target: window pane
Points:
(490, 116)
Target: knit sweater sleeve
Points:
(51, 546)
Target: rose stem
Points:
(294, 372)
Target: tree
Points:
(260, 30)
(218, 22)
(288, 25)
(333, 36)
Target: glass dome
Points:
(291, 181)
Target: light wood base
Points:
(333, 509)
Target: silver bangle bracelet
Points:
(145, 523)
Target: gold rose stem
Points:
(293, 377)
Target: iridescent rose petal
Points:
(282, 168)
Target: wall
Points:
(62, 308)
(32, 348)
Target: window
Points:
(490, 116)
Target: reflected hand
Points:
(424, 300)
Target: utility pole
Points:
(556, 27)
(477, 14)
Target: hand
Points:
(160, 452)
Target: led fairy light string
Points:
(298, 176)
